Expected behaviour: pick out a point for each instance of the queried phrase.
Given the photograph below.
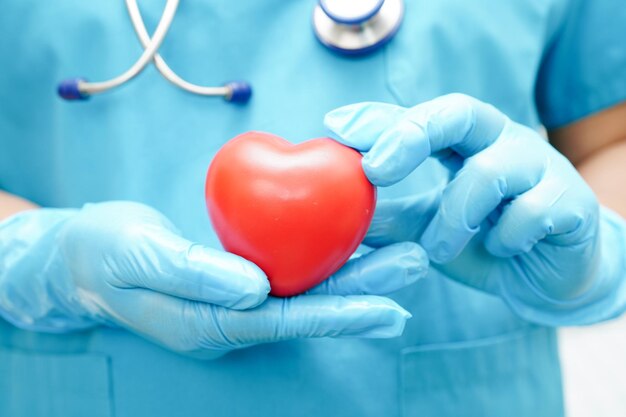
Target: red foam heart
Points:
(296, 211)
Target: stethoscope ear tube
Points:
(80, 89)
(86, 88)
(235, 91)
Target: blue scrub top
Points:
(463, 354)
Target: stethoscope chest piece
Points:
(356, 27)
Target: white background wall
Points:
(594, 369)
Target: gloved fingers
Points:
(178, 324)
(550, 208)
(167, 263)
(305, 316)
(138, 247)
(223, 278)
(402, 219)
(449, 159)
(359, 125)
(455, 121)
(207, 330)
(498, 173)
(379, 272)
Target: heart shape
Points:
(296, 211)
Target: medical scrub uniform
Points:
(464, 353)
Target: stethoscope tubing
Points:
(151, 47)
(164, 69)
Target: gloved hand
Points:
(513, 217)
(124, 264)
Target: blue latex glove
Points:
(124, 264)
(512, 216)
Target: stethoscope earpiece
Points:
(240, 92)
(70, 89)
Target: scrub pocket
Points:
(514, 375)
(54, 385)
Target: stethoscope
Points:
(352, 27)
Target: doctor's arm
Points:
(10, 204)
(596, 145)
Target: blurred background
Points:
(594, 369)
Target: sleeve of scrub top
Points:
(584, 72)
(584, 68)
